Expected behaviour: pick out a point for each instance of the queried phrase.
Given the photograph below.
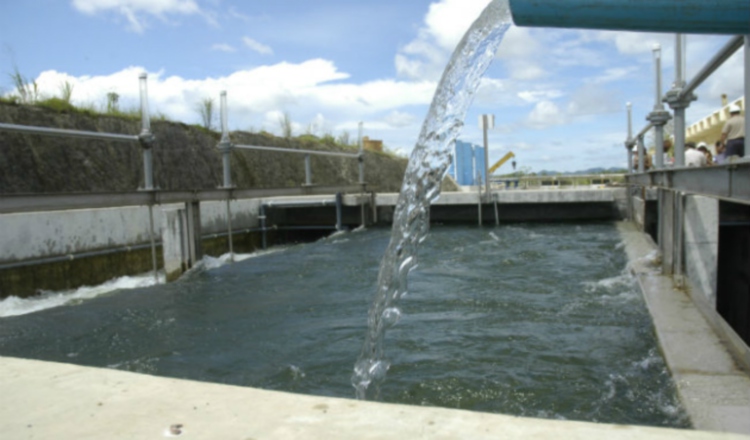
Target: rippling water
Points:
(534, 320)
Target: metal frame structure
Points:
(150, 196)
(728, 182)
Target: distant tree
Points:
(113, 102)
(205, 109)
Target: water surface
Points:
(533, 319)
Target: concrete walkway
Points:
(44, 400)
(713, 389)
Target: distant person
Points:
(703, 148)
(646, 160)
(721, 154)
(693, 157)
(733, 133)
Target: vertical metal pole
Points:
(362, 212)
(262, 218)
(479, 197)
(679, 112)
(148, 173)
(629, 106)
(229, 230)
(747, 95)
(361, 158)
(485, 123)
(679, 60)
(658, 107)
(679, 136)
(497, 215)
(339, 207)
(308, 172)
(629, 141)
(225, 144)
(679, 218)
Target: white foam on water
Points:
(15, 306)
(622, 280)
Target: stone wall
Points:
(185, 157)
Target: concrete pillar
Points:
(666, 226)
(701, 234)
(679, 226)
(193, 232)
(175, 261)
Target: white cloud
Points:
(631, 43)
(399, 119)
(546, 114)
(535, 96)
(222, 47)
(257, 46)
(614, 74)
(444, 25)
(314, 90)
(133, 10)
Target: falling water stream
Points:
(421, 186)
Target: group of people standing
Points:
(732, 143)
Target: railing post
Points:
(679, 101)
(361, 158)
(308, 171)
(658, 117)
(339, 209)
(629, 142)
(641, 155)
(146, 139)
(225, 146)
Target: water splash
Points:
(427, 166)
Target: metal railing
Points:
(145, 139)
(148, 195)
(557, 181)
(679, 98)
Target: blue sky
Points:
(558, 95)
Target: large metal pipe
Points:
(727, 17)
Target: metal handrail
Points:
(727, 51)
(46, 131)
(17, 203)
(294, 150)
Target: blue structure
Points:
(468, 160)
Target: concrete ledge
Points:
(51, 400)
(712, 387)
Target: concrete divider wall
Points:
(702, 245)
(40, 235)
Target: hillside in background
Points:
(185, 157)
